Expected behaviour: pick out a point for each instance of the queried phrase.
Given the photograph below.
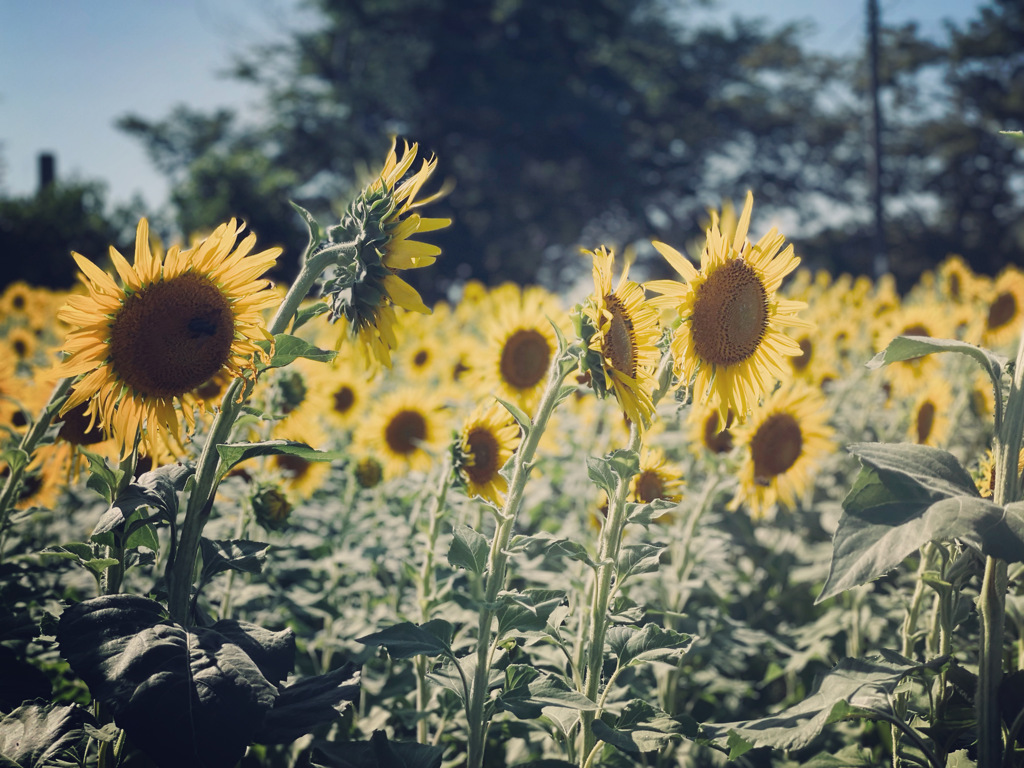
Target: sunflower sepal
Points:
(312, 225)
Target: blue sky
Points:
(74, 66)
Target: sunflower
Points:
(403, 431)
(1003, 309)
(487, 440)
(625, 332)
(143, 346)
(957, 281)
(730, 337)
(519, 346)
(382, 223)
(930, 421)
(708, 432)
(782, 442)
(657, 478)
(929, 319)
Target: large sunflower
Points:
(782, 443)
(730, 337)
(625, 334)
(142, 347)
(487, 440)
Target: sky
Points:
(71, 68)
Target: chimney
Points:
(47, 170)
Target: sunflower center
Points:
(925, 421)
(1002, 310)
(954, 286)
(776, 446)
(369, 473)
(405, 431)
(484, 448)
(649, 487)
(420, 358)
(20, 348)
(801, 361)
(525, 358)
(74, 427)
(730, 314)
(172, 336)
(619, 345)
(717, 440)
(344, 398)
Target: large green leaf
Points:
(405, 640)
(853, 688)
(309, 703)
(35, 735)
(903, 499)
(378, 752)
(652, 643)
(468, 550)
(288, 349)
(185, 696)
(232, 454)
(641, 728)
(527, 691)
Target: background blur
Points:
(562, 125)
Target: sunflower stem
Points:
(28, 444)
(497, 561)
(607, 560)
(992, 599)
(200, 500)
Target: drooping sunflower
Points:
(782, 443)
(404, 431)
(730, 339)
(382, 222)
(487, 440)
(142, 347)
(625, 332)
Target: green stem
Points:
(200, 500)
(992, 599)
(607, 560)
(29, 441)
(426, 599)
(497, 560)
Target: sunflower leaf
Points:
(853, 688)
(233, 454)
(635, 559)
(242, 556)
(889, 514)
(519, 415)
(306, 314)
(37, 735)
(312, 225)
(652, 643)
(405, 640)
(649, 512)
(909, 347)
(527, 691)
(526, 611)
(642, 728)
(468, 550)
(378, 752)
(288, 349)
(178, 692)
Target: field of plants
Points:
(748, 515)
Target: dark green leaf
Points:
(35, 735)
(468, 550)
(241, 555)
(232, 454)
(635, 559)
(640, 728)
(909, 347)
(935, 472)
(312, 225)
(645, 514)
(652, 643)
(272, 652)
(884, 521)
(546, 543)
(185, 696)
(518, 414)
(527, 691)
(306, 314)
(308, 704)
(526, 611)
(853, 688)
(288, 349)
(378, 752)
(406, 640)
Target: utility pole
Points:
(881, 258)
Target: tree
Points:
(562, 124)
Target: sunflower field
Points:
(749, 515)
